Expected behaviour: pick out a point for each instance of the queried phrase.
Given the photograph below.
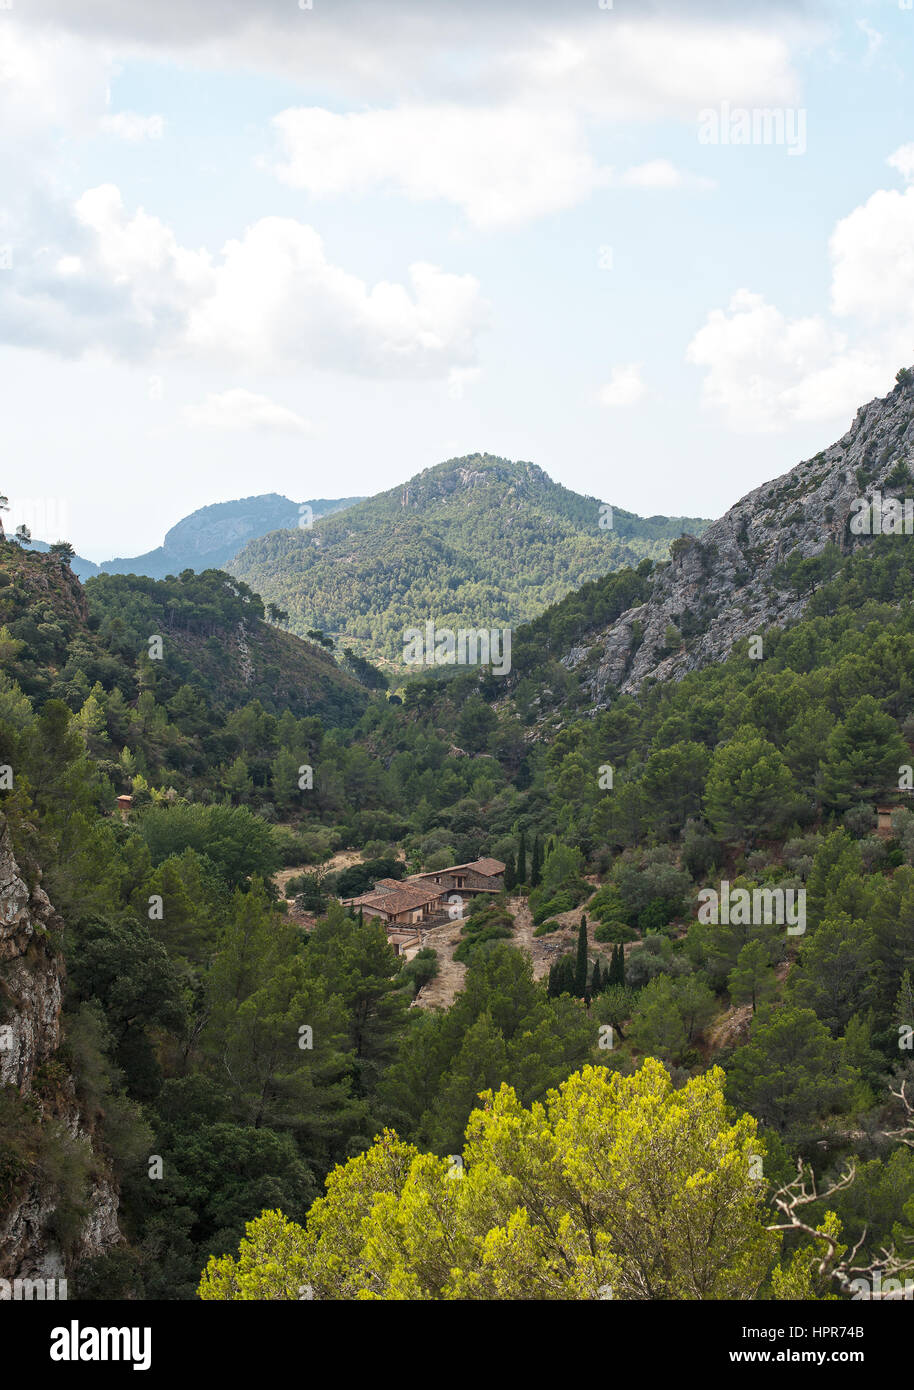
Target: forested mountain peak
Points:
(472, 472)
(473, 541)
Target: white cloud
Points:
(660, 62)
(52, 91)
(245, 410)
(903, 161)
(129, 125)
(656, 67)
(662, 174)
(269, 299)
(625, 386)
(502, 166)
(49, 80)
(872, 250)
(765, 371)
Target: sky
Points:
(663, 250)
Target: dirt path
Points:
(545, 950)
(441, 992)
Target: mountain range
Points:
(209, 537)
(119, 1023)
(474, 541)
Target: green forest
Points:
(308, 1122)
(471, 537)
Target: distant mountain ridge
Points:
(211, 536)
(473, 541)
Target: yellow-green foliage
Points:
(616, 1187)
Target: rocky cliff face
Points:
(723, 587)
(31, 991)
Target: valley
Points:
(255, 974)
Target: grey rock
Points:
(31, 992)
(724, 582)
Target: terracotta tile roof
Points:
(489, 868)
(493, 867)
(396, 899)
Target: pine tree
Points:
(522, 859)
(536, 865)
(510, 876)
(562, 976)
(904, 1004)
(580, 974)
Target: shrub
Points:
(860, 820)
(615, 932)
(361, 878)
(488, 922)
(562, 902)
(420, 970)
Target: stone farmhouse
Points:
(481, 876)
(407, 906)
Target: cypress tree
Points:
(580, 974)
(596, 979)
(536, 864)
(617, 969)
(522, 859)
(510, 877)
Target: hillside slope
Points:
(57, 638)
(215, 639)
(759, 563)
(475, 541)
